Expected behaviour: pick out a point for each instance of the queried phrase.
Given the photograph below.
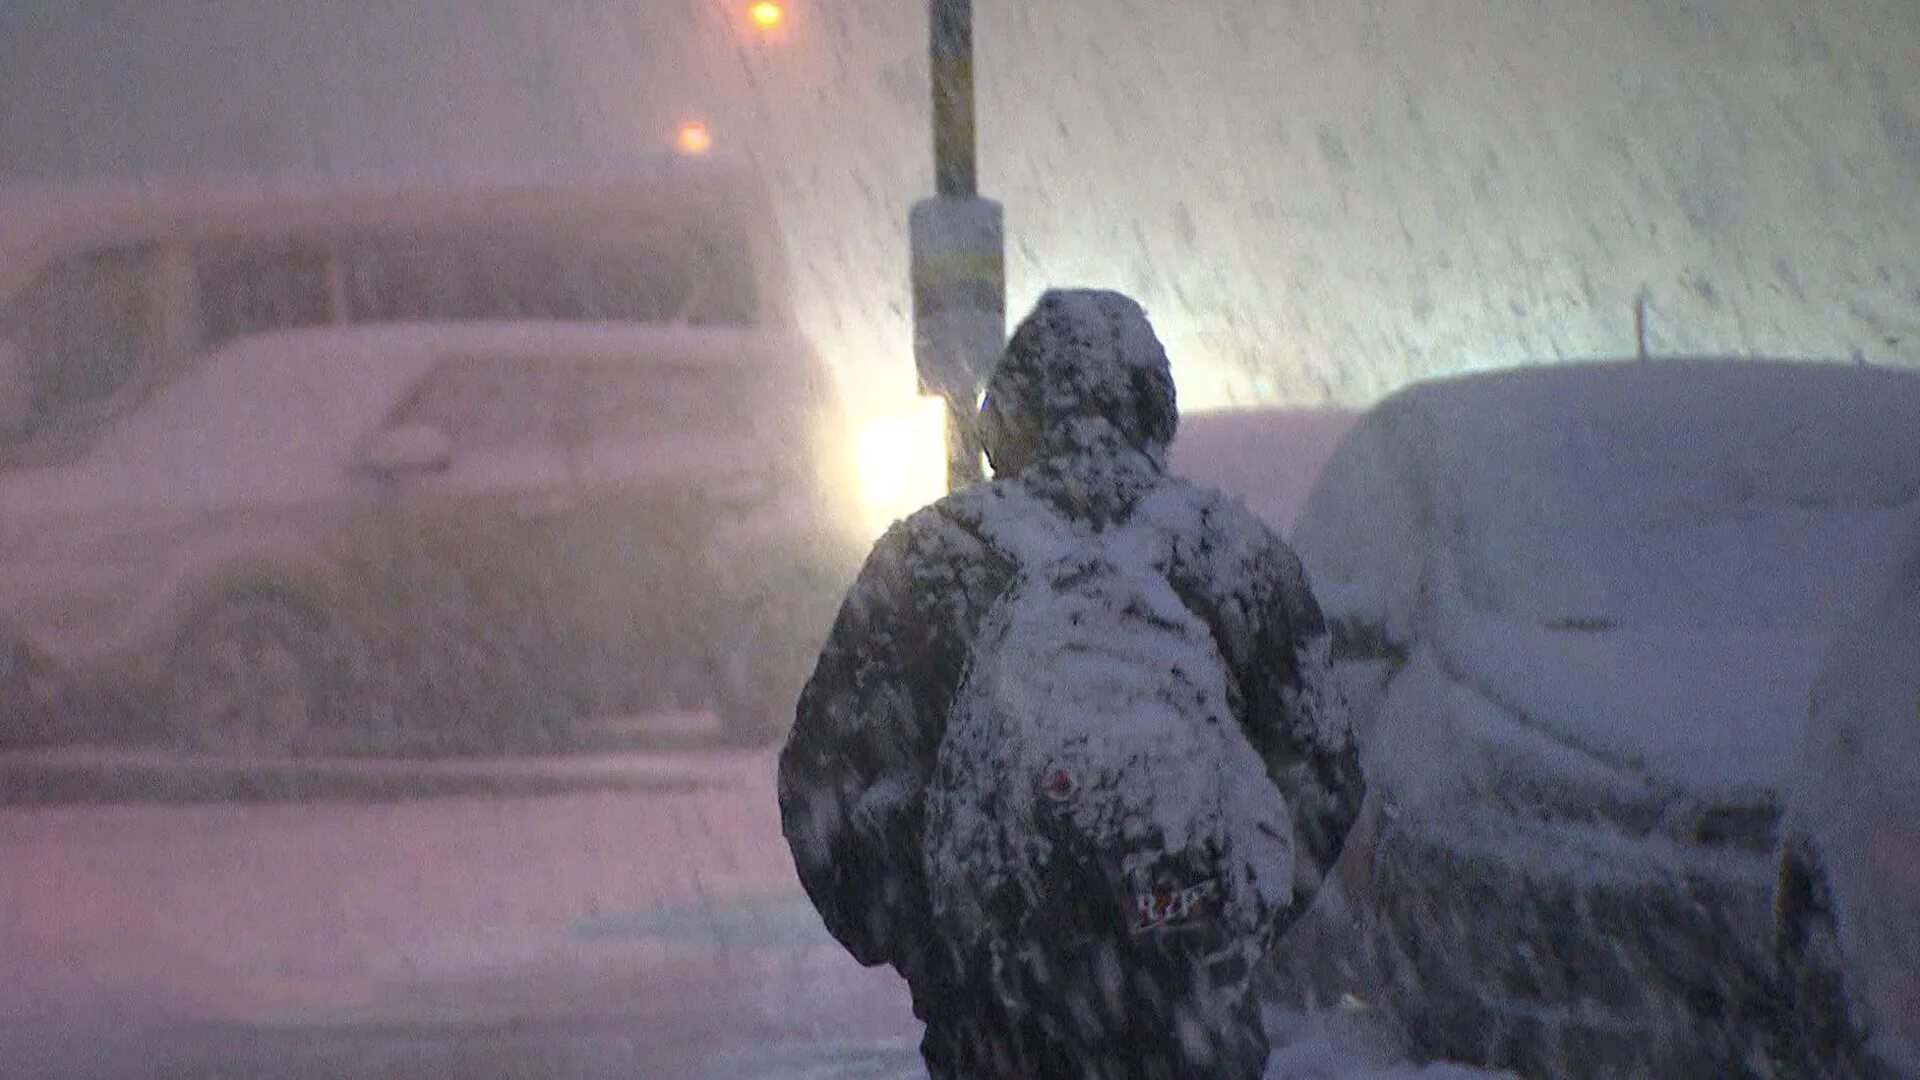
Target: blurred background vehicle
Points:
(1847, 905)
(1266, 457)
(417, 464)
(1580, 608)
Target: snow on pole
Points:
(959, 249)
(959, 314)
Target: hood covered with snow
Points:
(1683, 736)
(1084, 376)
(1563, 747)
(1713, 714)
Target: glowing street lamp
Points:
(694, 138)
(767, 15)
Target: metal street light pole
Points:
(959, 249)
(950, 53)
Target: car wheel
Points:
(258, 675)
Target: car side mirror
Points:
(407, 450)
(16, 390)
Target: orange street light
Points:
(767, 15)
(694, 138)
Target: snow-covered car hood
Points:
(1716, 711)
(1688, 734)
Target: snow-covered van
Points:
(1581, 607)
(414, 462)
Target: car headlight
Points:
(902, 462)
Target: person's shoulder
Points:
(1188, 508)
(1235, 551)
(981, 508)
(956, 520)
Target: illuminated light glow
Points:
(694, 138)
(767, 14)
(902, 461)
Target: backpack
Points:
(1094, 787)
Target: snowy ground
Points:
(638, 933)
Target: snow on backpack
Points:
(1092, 730)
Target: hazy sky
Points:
(1318, 200)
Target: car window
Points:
(490, 403)
(256, 288)
(639, 401)
(85, 327)
(681, 275)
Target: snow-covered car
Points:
(1579, 608)
(1847, 906)
(416, 463)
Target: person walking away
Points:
(1068, 760)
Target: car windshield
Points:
(1707, 497)
(488, 402)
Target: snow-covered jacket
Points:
(1079, 414)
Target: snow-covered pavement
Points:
(661, 923)
(593, 934)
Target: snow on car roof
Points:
(1775, 419)
(1705, 487)
(1558, 447)
(1529, 461)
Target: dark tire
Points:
(750, 706)
(24, 718)
(758, 681)
(260, 675)
(465, 663)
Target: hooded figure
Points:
(1077, 421)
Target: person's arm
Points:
(864, 741)
(1274, 633)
